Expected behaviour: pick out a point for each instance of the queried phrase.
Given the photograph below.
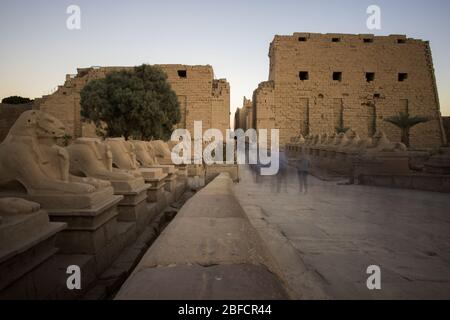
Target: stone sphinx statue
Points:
(161, 151)
(329, 141)
(356, 144)
(125, 158)
(350, 138)
(340, 139)
(299, 140)
(380, 143)
(30, 157)
(315, 140)
(382, 157)
(16, 206)
(92, 157)
(322, 139)
(143, 154)
(148, 158)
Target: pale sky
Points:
(37, 50)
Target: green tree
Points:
(135, 103)
(405, 122)
(340, 127)
(16, 100)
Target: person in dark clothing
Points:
(282, 172)
(302, 174)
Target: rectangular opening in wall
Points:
(336, 40)
(303, 75)
(302, 39)
(402, 77)
(370, 76)
(182, 73)
(337, 76)
(404, 107)
(401, 41)
(368, 40)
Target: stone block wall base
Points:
(180, 189)
(155, 194)
(21, 264)
(87, 231)
(141, 214)
(135, 197)
(382, 165)
(171, 183)
(162, 202)
(196, 183)
(74, 241)
(131, 213)
(48, 280)
(126, 234)
(426, 182)
(133, 207)
(194, 170)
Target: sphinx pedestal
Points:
(194, 170)
(89, 229)
(171, 178)
(393, 163)
(171, 182)
(182, 181)
(91, 220)
(26, 242)
(135, 207)
(440, 163)
(156, 193)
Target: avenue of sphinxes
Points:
(332, 185)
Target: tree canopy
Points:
(16, 100)
(405, 122)
(135, 103)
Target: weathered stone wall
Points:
(243, 117)
(201, 97)
(302, 96)
(248, 107)
(446, 123)
(220, 112)
(264, 106)
(8, 116)
(236, 118)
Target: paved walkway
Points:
(338, 231)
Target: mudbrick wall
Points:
(318, 82)
(243, 117)
(201, 97)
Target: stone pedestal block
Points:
(152, 173)
(171, 182)
(440, 163)
(180, 189)
(133, 205)
(382, 163)
(194, 170)
(89, 230)
(26, 241)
